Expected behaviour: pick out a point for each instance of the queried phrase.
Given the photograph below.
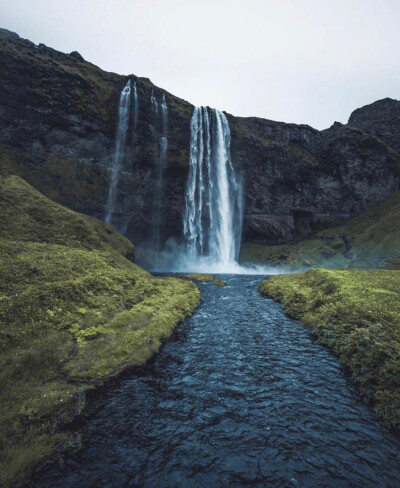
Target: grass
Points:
(369, 240)
(23, 455)
(357, 314)
(200, 277)
(74, 311)
(28, 216)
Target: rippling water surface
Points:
(240, 396)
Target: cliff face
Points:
(371, 239)
(381, 118)
(300, 180)
(58, 117)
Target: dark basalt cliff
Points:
(300, 180)
(58, 117)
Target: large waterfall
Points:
(123, 120)
(213, 214)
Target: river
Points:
(240, 396)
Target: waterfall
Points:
(154, 103)
(123, 120)
(135, 108)
(164, 115)
(123, 227)
(160, 119)
(212, 224)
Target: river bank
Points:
(357, 314)
(240, 395)
(76, 311)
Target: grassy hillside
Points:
(369, 240)
(26, 215)
(73, 311)
(357, 314)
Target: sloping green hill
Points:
(73, 311)
(27, 215)
(369, 240)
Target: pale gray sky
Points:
(303, 61)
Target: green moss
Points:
(200, 277)
(132, 335)
(73, 310)
(357, 314)
(27, 215)
(369, 240)
(219, 282)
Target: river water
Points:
(240, 396)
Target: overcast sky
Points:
(303, 61)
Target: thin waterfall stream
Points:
(135, 108)
(135, 113)
(120, 139)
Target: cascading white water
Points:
(123, 227)
(154, 103)
(123, 121)
(135, 107)
(212, 223)
(164, 115)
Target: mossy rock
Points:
(357, 314)
(219, 282)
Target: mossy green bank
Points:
(74, 311)
(357, 314)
